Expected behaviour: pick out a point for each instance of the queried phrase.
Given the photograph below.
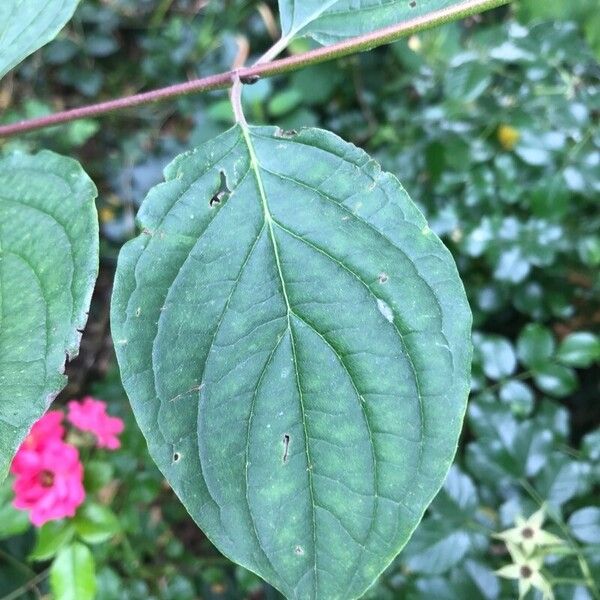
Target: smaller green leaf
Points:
(12, 521)
(458, 498)
(73, 574)
(467, 81)
(329, 21)
(26, 25)
(589, 250)
(498, 357)
(48, 267)
(535, 345)
(51, 537)
(562, 479)
(284, 102)
(518, 395)
(436, 547)
(580, 349)
(591, 446)
(555, 380)
(95, 523)
(98, 473)
(585, 524)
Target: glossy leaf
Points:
(329, 21)
(497, 357)
(579, 349)
(26, 25)
(585, 524)
(73, 574)
(555, 380)
(48, 266)
(295, 342)
(96, 523)
(51, 537)
(535, 345)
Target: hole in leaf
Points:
(412, 3)
(385, 310)
(299, 550)
(176, 457)
(223, 192)
(286, 446)
(286, 133)
(383, 277)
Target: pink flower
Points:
(48, 481)
(48, 428)
(90, 415)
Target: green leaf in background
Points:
(72, 574)
(436, 547)
(585, 524)
(518, 395)
(535, 345)
(48, 266)
(580, 349)
(95, 523)
(555, 380)
(26, 25)
(329, 21)
(295, 342)
(51, 537)
(12, 521)
(585, 12)
(497, 356)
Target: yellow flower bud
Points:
(508, 136)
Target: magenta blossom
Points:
(90, 415)
(48, 428)
(48, 481)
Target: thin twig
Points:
(32, 584)
(262, 69)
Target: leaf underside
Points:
(295, 342)
(26, 25)
(330, 21)
(48, 266)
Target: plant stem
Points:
(236, 102)
(262, 69)
(26, 587)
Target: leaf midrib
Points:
(254, 166)
(294, 30)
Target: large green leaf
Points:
(26, 25)
(329, 21)
(48, 266)
(295, 342)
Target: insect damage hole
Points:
(412, 3)
(286, 446)
(298, 550)
(286, 133)
(385, 309)
(223, 192)
(176, 457)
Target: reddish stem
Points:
(267, 69)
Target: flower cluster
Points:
(527, 544)
(48, 470)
